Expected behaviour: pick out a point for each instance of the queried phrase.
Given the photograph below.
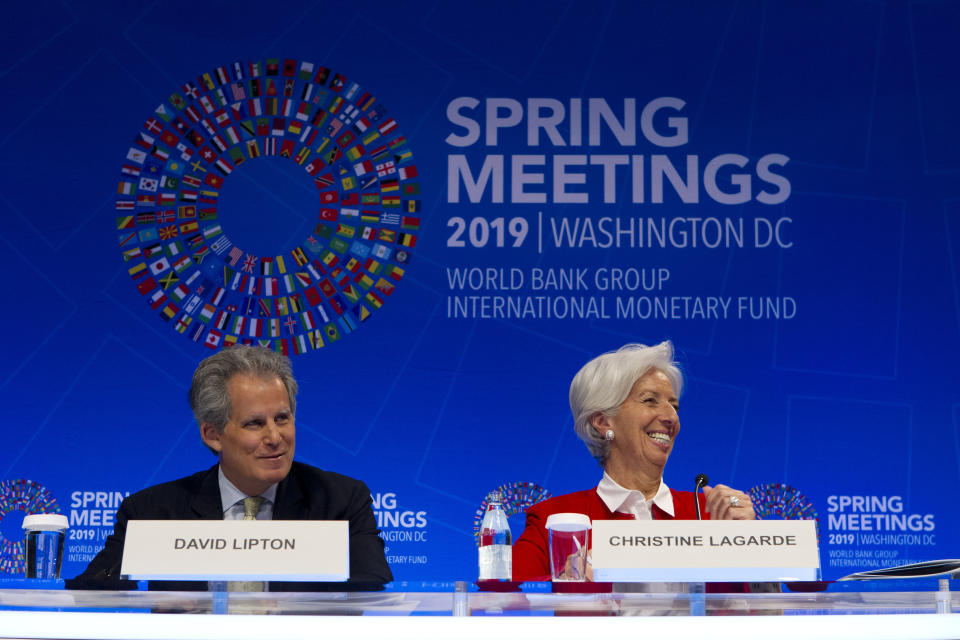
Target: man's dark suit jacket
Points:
(307, 493)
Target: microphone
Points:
(699, 482)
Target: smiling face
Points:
(256, 445)
(645, 426)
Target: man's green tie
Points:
(251, 506)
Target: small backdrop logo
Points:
(775, 501)
(216, 292)
(517, 498)
(26, 497)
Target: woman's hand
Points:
(724, 503)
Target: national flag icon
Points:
(138, 270)
(381, 251)
(332, 156)
(355, 153)
(316, 166)
(159, 266)
(389, 185)
(130, 170)
(387, 235)
(407, 240)
(269, 286)
(351, 293)
(207, 312)
(179, 293)
(361, 168)
(148, 235)
(314, 271)
(181, 263)
(221, 319)
(174, 248)
(410, 223)
(182, 323)
(169, 138)
(232, 135)
(152, 250)
(146, 286)
(411, 189)
(397, 142)
(411, 206)
(213, 339)
(395, 272)
(126, 222)
(157, 299)
(372, 266)
(220, 245)
(374, 300)
(213, 180)
(136, 155)
(364, 280)
(387, 126)
(391, 202)
(408, 172)
(217, 295)
(209, 232)
(128, 188)
(386, 168)
(163, 112)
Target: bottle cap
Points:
(45, 522)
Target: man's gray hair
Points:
(604, 383)
(209, 398)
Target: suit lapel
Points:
(289, 505)
(206, 503)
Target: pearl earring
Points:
(609, 435)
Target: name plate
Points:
(705, 551)
(291, 550)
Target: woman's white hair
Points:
(604, 383)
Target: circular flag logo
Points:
(517, 498)
(776, 501)
(27, 497)
(175, 238)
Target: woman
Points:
(625, 409)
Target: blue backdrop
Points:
(442, 210)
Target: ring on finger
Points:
(734, 501)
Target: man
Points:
(244, 400)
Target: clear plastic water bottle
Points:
(496, 559)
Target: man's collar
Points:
(230, 495)
(614, 496)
